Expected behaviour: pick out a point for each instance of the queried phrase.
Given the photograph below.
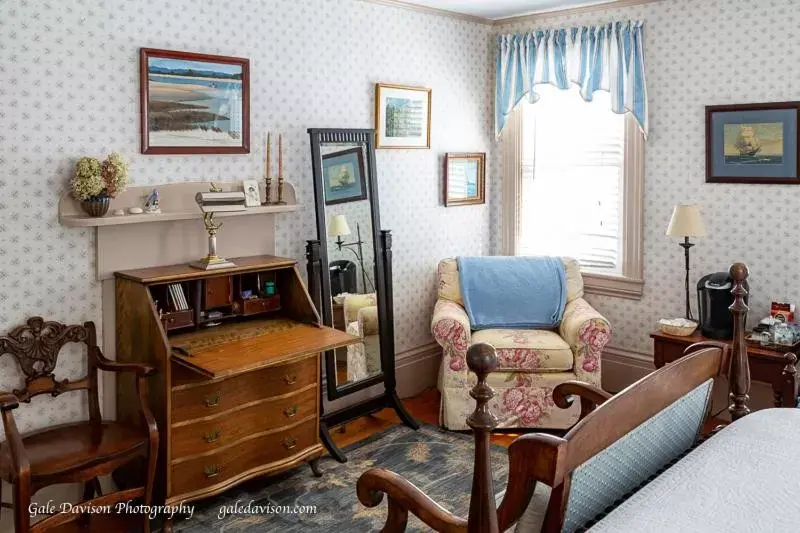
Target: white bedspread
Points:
(744, 479)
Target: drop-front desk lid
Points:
(236, 348)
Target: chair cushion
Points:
(450, 286)
(71, 447)
(527, 350)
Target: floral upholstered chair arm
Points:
(450, 328)
(587, 332)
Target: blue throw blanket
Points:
(513, 292)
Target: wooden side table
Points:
(768, 366)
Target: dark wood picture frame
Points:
(712, 177)
(144, 91)
(480, 198)
(362, 177)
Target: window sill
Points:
(614, 286)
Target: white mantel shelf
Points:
(85, 221)
(176, 201)
(175, 235)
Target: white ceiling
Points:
(497, 9)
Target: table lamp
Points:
(686, 222)
(338, 227)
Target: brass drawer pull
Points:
(211, 471)
(291, 411)
(211, 401)
(290, 379)
(289, 443)
(211, 436)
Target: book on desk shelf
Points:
(179, 302)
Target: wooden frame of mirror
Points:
(319, 284)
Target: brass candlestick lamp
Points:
(209, 202)
(212, 261)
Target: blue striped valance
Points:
(608, 57)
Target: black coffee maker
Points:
(713, 300)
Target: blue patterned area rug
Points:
(437, 461)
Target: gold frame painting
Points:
(470, 190)
(402, 116)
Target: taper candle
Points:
(280, 155)
(268, 157)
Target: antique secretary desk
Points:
(237, 393)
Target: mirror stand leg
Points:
(314, 465)
(327, 441)
(397, 405)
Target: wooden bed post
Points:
(739, 375)
(482, 360)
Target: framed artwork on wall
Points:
(753, 143)
(343, 176)
(194, 103)
(402, 116)
(464, 179)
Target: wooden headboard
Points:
(552, 460)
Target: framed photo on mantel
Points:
(402, 116)
(194, 103)
(753, 143)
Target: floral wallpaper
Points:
(698, 53)
(69, 86)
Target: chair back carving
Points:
(36, 346)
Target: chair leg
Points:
(22, 501)
(152, 458)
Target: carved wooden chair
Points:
(621, 445)
(77, 452)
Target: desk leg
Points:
(789, 382)
(777, 394)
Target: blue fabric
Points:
(513, 292)
(608, 57)
(627, 463)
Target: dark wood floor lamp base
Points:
(389, 396)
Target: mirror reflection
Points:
(351, 258)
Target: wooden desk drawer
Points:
(246, 457)
(198, 401)
(227, 428)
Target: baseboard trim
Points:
(621, 367)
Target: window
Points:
(579, 187)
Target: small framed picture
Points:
(402, 116)
(343, 176)
(464, 178)
(194, 103)
(252, 196)
(753, 143)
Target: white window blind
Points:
(571, 191)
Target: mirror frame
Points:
(367, 138)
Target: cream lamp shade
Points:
(686, 222)
(338, 226)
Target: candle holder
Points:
(280, 201)
(267, 190)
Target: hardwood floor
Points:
(424, 407)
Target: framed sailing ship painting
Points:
(753, 143)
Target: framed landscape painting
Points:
(753, 143)
(194, 103)
(402, 116)
(343, 176)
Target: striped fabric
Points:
(608, 57)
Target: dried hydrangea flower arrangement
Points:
(94, 183)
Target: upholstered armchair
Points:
(530, 362)
(361, 317)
